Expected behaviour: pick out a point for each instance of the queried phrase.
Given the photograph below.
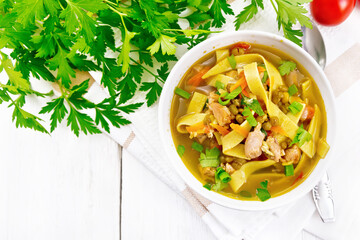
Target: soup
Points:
(249, 122)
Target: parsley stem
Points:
(154, 75)
(272, 3)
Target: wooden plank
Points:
(151, 210)
(57, 187)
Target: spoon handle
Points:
(323, 198)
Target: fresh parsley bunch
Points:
(51, 40)
(289, 12)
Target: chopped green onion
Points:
(265, 77)
(197, 146)
(219, 85)
(295, 107)
(180, 150)
(223, 175)
(221, 179)
(226, 102)
(245, 194)
(301, 136)
(249, 117)
(264, 184)
(263, 193)
(254, 105)
(289, 170)
(232, 61)
(211, 157)
(292, 90)
(182, 93)
(234, 93)
(207, 186)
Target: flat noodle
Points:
(314, 129)
(188, 120)
(197, 103)
(239, 177)
(224, 65)
(233, 138)
(221, 78)
(237, 151)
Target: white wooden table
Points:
(62, 187)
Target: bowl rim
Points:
(187, 176)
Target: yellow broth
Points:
(278, 183)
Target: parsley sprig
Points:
(52, 40)
(289, 12)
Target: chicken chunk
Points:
(274, 148)
(293, 154)
(221, 113)
(207, 172)
(213, 98)
(253, 143)
(229, 169)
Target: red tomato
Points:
(331, 12)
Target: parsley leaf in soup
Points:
(180, 150)
(301, 136)
(211, 157)
(197, 146)
(254, 104)
(263, 193)
(286, 67)
(232, 61)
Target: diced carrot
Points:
(243, 45)
(239, 129)
(301, 175)
(261, 69)
(268, 82)
(278, 129)
(197, 78)
(223, 131)
(240, 83)
(198, 127)
(310, 111)
(245, 92)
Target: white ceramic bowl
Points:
(226, 39)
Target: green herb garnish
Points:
(182, 93)
(211, 157)
(180, 150)
(254, 105)
(249, 117)
(219, 85)
(207, 186)
(265, 77)
(295, 107)
(263, 193)
(225, 102)
(289, 12)
(223, 175)
(292, 90)
(289, 170)
(232, 61)
(301, 136)
(245, 194)
(197, 146)
(234, 93)
(221, 179)
(286, 67)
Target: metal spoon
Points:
(313, 43)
